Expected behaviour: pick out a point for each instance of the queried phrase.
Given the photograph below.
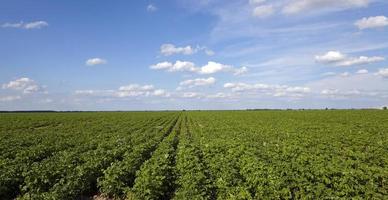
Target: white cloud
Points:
(131, 90)
(12, 25)
(9, 98)
(176, 67)
(151, 8)
(360, 60)
(372, 22)
(338, 59)
(353, 94)
(240, 71)
(366, 85)
(35, 25)
(134, 90)
(95, 61)
(336, 93)
(24, 84)
(30, 25)
(329, 91)
(298, 6)
(162, 65)
(271, 90)
(219, 95)
(191, 95)
(94, 92)
(362, 71)
(160, 93)
(383, 72)
(345, 74)
(170, 49)
(210, 68)
(182, 66)
(263, 11)
(213, 67)
(198, 82)
(330, 57)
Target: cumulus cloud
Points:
(175, 67)
(219, 95)
(9, 98)
(330, 57)
(134, 90)
(210, 68)
(213, 67)
(263, 11)
(383, 72)
(151, 8)
(95, 61)
(30, 25)
(240, 71)
(360, 85)
(360, 60)
(191, 95)
(372, 22)
(336, 93)
(26, 85)
(198, 82)
(170, 49)
(160, 93)
(338, 59)
(362, 71)
(101, 93)
(131, 90)
(345, 74)
(298, 6)
(267, 89)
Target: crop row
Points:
(71, 170)
(196, 155)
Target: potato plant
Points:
(312, 154)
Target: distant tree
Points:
(385, 108)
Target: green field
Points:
(334, 154)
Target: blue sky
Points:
(193, 54)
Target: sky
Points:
(193, 54)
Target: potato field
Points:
(333, 154)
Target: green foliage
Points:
(119, 177)
(155, 179)
(194, 181)
(335, 154)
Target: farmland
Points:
(334, 154)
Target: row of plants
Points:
(36, 169)
(156, 177)
(119, 177)
(277, 154)
(193, 178)
(195, 155)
